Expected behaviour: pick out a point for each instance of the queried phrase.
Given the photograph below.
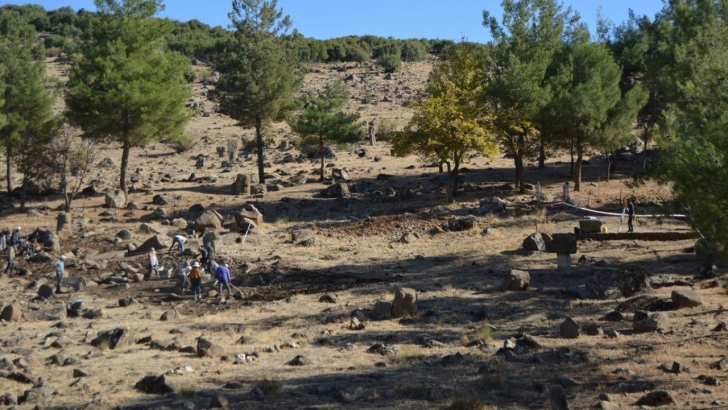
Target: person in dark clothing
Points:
(630, 212)
(204, 258)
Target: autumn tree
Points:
(322, 120)
(451, 122)
(259, 71)
(26, 95)
(524, 44)
(128, 87)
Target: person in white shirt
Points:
(179, 240)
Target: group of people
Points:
(191, 272)
(14, 244)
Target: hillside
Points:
(312, 321)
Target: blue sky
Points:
(429, 19)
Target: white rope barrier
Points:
(677, 216)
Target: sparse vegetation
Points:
(492, 381)
(269, 387)
(184, 143)
(408, 353)
(469, 402)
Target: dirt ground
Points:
(384, 236)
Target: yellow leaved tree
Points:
(451, 123)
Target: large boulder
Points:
(249, 215)
(338, 190)
(516, 280)
(461, 224)
(490, 205)
(569, 329)
(534, 242)
(11, 313)
(63, 225)
(686, 298)
(149, 228)
(242, 184)
(405, 302)
(115, 199)
(45, 291)
(48, 239)
(157, 242)
(114, 338)
(154, 384)
(654, 322)
(160, 199)
(53, 313)
(206, 348)
(208, 220)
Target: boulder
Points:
(558, 399)
(405, 302)
(653, 323)
(48, 239)
(338, 190)
(340, 175)
(656, 398)
(250, 212)
(516, 280)
(304, 237)
(160, 200)
(686, 298)
(179, 223)
(41, 257)
(461, 224)
(534, 242)
(569, 329)
(45, 291)
(149, 228)
(53, 313)
(242, 184)
(490, 205)
(63, 225)
(157, 242)
(206, 348)
(159, 213)
(154, 384)
(11, 313)
(208, 220)
(115, 199)
(124, 234)
(258, 189)
(114, 338)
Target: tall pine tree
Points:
(25, 93)
(128, 87)
(259, 72)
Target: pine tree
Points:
(259, 72)
(128, 87)
(323, 121)
(26, 95)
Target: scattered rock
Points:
(154, 384)
(115, 199)
(405, 302)
(656, 398)
(328, 298)
(299, 361)
(686, 298)
(208, 220)
(516, 280)
(206, 348)
(569, 329)
(114, 338)
(653, 323)
(304, 237)
(461, 224)
(534, 242)
(558, 399)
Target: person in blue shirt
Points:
(222, 274)
(630, 212)
(60, 269)
(178, 240)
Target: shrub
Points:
(483, 333)
(53, 52)
(205, 75)
(269, 387)
(467, 403)
(385, 130)
(183, 143)
(391, 63)
(409, 353)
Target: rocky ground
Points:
(638, 323)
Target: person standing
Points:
(178, 240)
(222, 274)
(152, 263)
(196, 280)
(631, 214)
(60, 270)
(11, 260)
(15, 236)
(210, 257)
(182, 273)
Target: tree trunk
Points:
(124, 165)
(577, 180)
(541, 153)
(9, 174)
(646, 140)
(440, 165)
(613, 168)
(321, 153)
(520, 178)
(24, 192)
(452, 182)
(609, 167)
(259, 143)
(571, 150)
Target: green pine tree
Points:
(259, 72)
(127, 87)
(26, 94)
(322, 120)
